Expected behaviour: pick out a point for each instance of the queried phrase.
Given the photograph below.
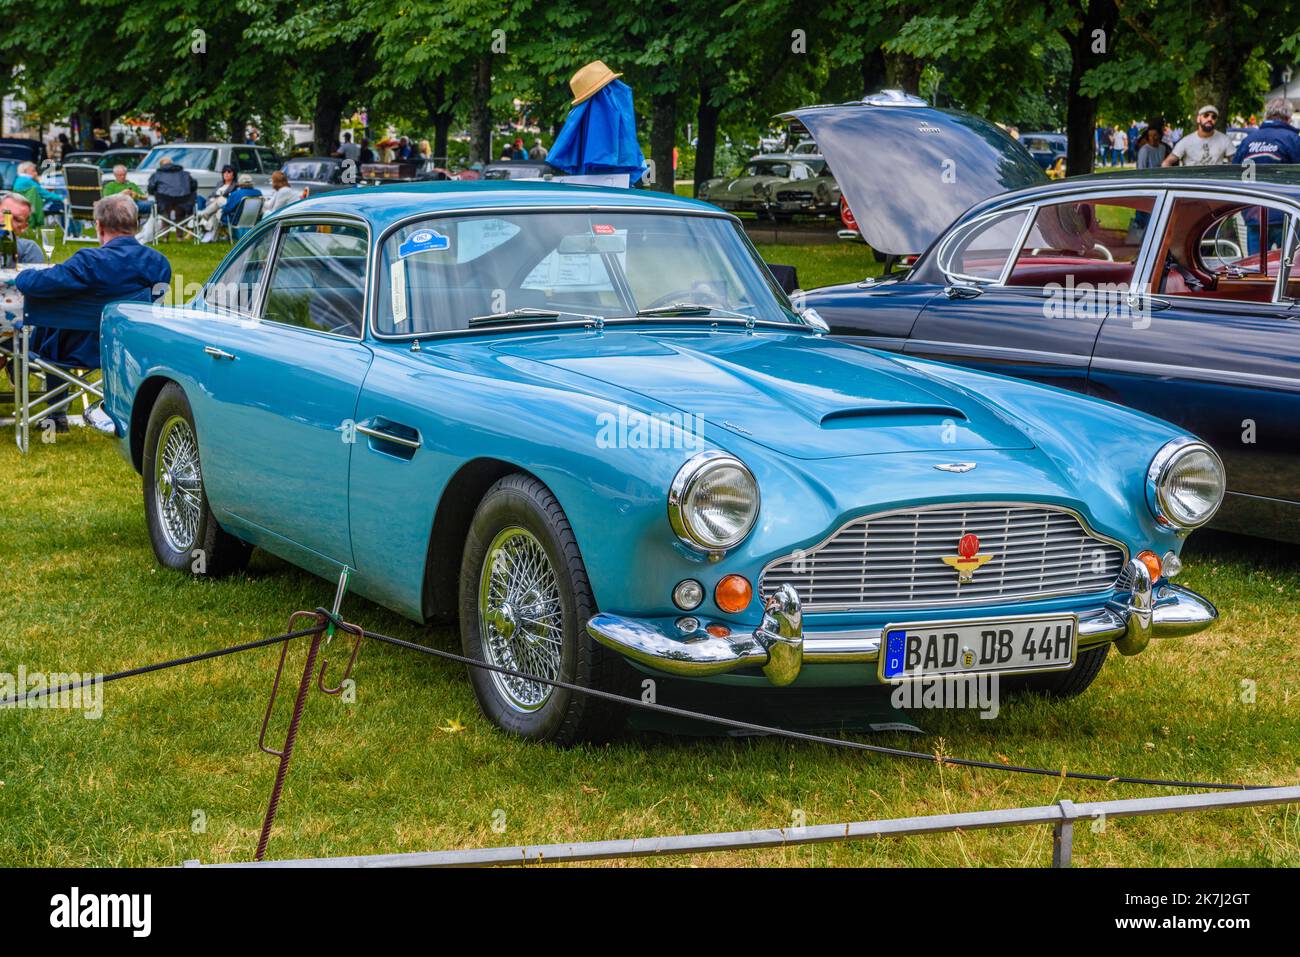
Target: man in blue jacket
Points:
(1275, 141)
(64, 303)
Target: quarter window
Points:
(980, 250)
(245, 161)
(318, 280)
(237, 286)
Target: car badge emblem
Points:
(967, 559)
(956, 466)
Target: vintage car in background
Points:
(204, 161)
(777, 186)
(320, 174)
(404, 171)
(1049, 150)
(519, 169)
(588, 423)
(1155, 289)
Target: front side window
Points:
(1093, 241)
(245, 161)
(235, 288)
(438, 274)
(318, 279)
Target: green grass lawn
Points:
(410, 765)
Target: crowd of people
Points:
(1156, 144)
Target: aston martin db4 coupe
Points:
(1173, 291)
(588, 424)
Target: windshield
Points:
(186, 157)
(438, 274)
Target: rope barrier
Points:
(327, 621)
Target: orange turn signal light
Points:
(733, 594)
(718, 631)
(1152, 561)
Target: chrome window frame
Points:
(1224, 194)
(942, 253)
(279, 225)
(372, 312)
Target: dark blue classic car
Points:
(1172, 291)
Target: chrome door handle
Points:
(390, 436)
(218, 353)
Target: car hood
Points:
(797, 394)
(909, 171)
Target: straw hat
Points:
(590, 80)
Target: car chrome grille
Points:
(895, 559)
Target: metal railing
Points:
(1060, 816)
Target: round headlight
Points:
(713, 501)
(1185, 483)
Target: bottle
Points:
(9, 244)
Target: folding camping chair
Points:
(185, 223)
(75, 382)
(246, 217)
(85, 187)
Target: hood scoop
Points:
(872, 415)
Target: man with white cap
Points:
(1208, 147)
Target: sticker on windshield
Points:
(423, 241)
(603, 229)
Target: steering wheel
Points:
(1105, 253)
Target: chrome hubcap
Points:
(178, 484)
(520, 617)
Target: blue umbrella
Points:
(599, 136)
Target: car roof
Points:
(389, 202)
(211, 146)
(1282, 179)
(786, 157)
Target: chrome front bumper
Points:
(686, 647)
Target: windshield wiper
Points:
(526, 312)
(691, 308)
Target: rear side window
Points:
(318, 280)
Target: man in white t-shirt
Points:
(1206, 147)
(1120, 145)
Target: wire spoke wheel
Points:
(178, 484)
(521, 619)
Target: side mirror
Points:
(786, 276)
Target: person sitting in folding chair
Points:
(177, 194)
(64, 303)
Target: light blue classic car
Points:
(589, 424)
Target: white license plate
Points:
(928, 648)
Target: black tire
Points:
(207, 549)
(1065, 684)
(519, 512)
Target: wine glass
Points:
(47, 241)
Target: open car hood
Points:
(909, 171)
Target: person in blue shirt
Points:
(235, 198)
(26, 180)
(63, 303)
(1275, 140)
